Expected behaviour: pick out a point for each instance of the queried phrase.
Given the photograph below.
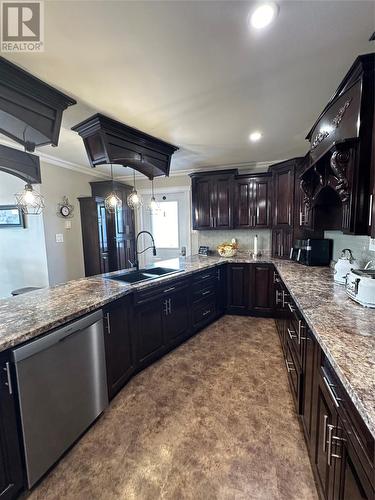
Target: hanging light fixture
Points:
(30, 201)
(153, 205)
(134, 199)
(112, 202)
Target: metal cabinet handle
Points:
(165, 304)
(275, 278)
(370, 211)
(330, 390)
(206, 312)
(331, 455)
(170, 306)
(325, 422)
(291, 334)
(108, 321)
(169, 289)
(206, 292)
(205, 276)
(277, 300)
(9, 380)
(291, 308)
(288, 367)
(300, 328)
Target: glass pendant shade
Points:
(112, 202)
(134, 199)
(30, 201)
(153, 206)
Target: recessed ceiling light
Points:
(263, 15)
(255, 136)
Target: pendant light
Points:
(30, 201)
(134, 199)
(112, 202)
(153, 206)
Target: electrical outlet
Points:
(372, 244)
(59, 238)
(68, 224)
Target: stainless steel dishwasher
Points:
(62, 389)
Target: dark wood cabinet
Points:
(283, 193)
(176, 311)
(252, 201)
(309, 369)
(221, 289)
(149, 337)
(119, 344)
(108, 238)
(282, 242)
(238, 288)
(212, 200)
(11, 471)
(261, 293)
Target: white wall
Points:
(65, 260)
(23, 259)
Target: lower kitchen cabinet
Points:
(119, 345)
(238, 288)
(261, 292)
(176, 305)
(309, 361)
(11, 471)
(221, 289)
(149, 331)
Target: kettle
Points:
(344, 265)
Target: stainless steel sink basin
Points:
(144, 274)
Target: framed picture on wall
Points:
(11, 216)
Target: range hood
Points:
(30, 110)
(109, 141)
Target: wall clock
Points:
(65, 209)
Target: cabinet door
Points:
(202, 203)
(176, 315)
(119, 346)
(11, 475)
(309, 354)
(287, 243)
(261, 298)
(326, 419)
(261, 202)
(283, 188)
(222, 187)
(242, 210)
(351, 481)
(221, 289)
(150, 340)
(238, 284)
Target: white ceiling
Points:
(193, 74)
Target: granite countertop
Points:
(345, 330)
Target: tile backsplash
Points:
(359, 245)
(244, 237)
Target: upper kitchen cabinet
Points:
(212, 199)
(108, 238)
(30, 110)
(336, 177)
(283, 193)
(252, 201)
(109, 141)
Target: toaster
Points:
(360, 286)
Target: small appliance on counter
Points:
(360, 286)
(312, 252)
(344, 265)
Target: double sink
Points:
(144, 274)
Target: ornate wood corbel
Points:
(339, 162)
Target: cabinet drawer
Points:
(202, 290)
(204, 311)
(204, 276)
(141, 296)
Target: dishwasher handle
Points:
(38, 345)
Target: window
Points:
(165, 225)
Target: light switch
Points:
(68, 224)
(59, 238)
(372, 244)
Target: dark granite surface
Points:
(344, 329)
